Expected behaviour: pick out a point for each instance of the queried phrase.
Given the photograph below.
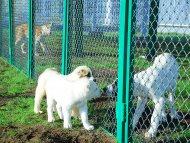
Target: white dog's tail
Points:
(39, 94)
(40, 89)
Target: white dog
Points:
(154, 82)
(71, 96)
(78, 73)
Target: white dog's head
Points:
(79, 72)
(91, 88)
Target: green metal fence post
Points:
(65, 40)
(30, 39)
(124, 76)
(79, 27)
(152, 31)
(1, 29)
(129, 69)
(10, 32)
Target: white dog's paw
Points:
(89, 127)
(67, 126)
(51, 119)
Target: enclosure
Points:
(115, 38)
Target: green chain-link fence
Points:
(93, 41)
(86, 32)
(48, 51)
(19, 56)
(4, 30)
(162, 27)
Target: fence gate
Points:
(157, 27)
(93, 41)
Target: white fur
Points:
(71, 96)
(154, 82)
(78, 73)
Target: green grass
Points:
(183, 89)
(13, 82)
(96, 62)
(19, 111)
(175, 136)
(181, 104)
(141, 63)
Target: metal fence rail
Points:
(116, 39)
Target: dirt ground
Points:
(44, 134)
(41, 134)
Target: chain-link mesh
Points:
(93, 41)
(4, 29)
(161, 27)
(47, 40)
(20, 34)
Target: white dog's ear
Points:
(83, 73)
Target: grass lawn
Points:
(13, 82)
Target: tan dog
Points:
(40, 32)
(79, 72)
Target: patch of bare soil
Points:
(2, 100)
(41, 134)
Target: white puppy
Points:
(78, 73)
(154, 82)
(71, 96)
